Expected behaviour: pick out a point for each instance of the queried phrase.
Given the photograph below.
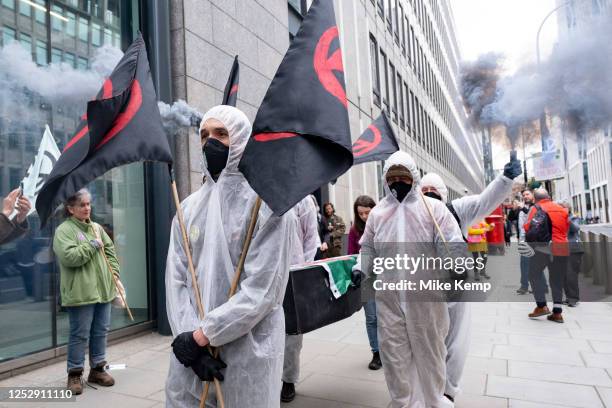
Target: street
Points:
(514, 362)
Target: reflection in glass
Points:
(31, 318)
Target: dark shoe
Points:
(75, 381)
(451, 399)
(375, 364)
(539, 311)
(522, 291)
(484, 275)
(98, 375)
(570, 302)
(288, 392)
(555, 317)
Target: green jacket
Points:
(84, 274)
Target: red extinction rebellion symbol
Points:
(122, 120)
(362, 147)
(325, 65)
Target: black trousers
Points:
(557, 271)
(572, 291)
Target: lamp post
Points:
(544, 133)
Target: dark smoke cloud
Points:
(479, 85)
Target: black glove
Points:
(356, 276)
(513, 169)
(186, 349)
(207, 367)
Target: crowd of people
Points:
(240, 340)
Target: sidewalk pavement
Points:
(514, 362)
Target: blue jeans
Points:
(371, 324)
(88, 323)
(524, 272)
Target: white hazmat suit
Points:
(250, 326)
(411, 334)
(469, 210)
(306, 246)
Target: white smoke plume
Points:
(55, 83)
(574, 83)
(178, 115)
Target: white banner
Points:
(548, 166)
(37, 174)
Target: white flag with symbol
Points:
(37, 174)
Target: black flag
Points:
(377, 142)
(122, 125)
(301, 137)
(230, 95)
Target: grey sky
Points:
(506, 26)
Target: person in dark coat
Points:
(335, 230)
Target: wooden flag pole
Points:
(196, 287)
(434, 221)
(110, 269)
(239, 267)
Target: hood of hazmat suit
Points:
(435, 181)
(473, 208)
(250, 326)
(411, 333)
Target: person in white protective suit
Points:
(251, 325)
(467, 211)
(411, 333)
(305, 249)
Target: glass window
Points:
(396, 21)
(39, 12)
(9, 3)
(56, 55)
(41, 52)
(401, 100)
(297, 5)
(69, 59)
(393, 91)
(383, 61)
(404, 28)
(25, 9)
(411, 44)
(83, 29)
(390, 15)
(606, 203)
(413, 119)
(56, 21)
(96, 35)
(8, 35)
(30, 318)
(71, 24)
(26, 41)
(82, 63)
(375, 69)
(108, 36)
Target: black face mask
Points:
(216, 154)
(433, 195)
(400, 190)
